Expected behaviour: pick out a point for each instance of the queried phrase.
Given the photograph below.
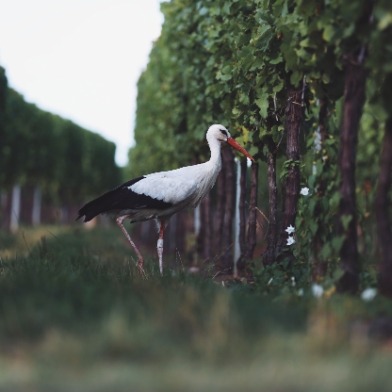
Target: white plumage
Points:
(160, 195)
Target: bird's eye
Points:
(223, 132)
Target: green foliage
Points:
(234, 61)
(75, 306)
(75, 280)
(40, 148)
(231, 62)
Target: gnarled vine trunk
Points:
(251, 240)
(244, 167)
(294, 119)
(382, 207)
(237, 247)
(227, 229)
(270, 253)
(220, 212)
(354, 98)
(241, 263)
(206, 228)
(320, 266)
(5, 210)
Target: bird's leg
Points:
(160, 246)
(140, 263)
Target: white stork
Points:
(161, 195)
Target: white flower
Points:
(304, 191)
(368, 294)
(270, 281)
(290, 230)
(290, 241)
(317, 290)
(301, 292)
(293, 281)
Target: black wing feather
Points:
(120, 198)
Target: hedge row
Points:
(38, 148)
(299, 82)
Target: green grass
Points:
(76, 315)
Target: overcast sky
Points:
(81, 59)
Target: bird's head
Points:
(221, 133)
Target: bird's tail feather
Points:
(115, 199)
(100, 205)
(91, 210)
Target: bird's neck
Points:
(215, 160)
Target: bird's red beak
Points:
(234, 144)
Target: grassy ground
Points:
(75, 315)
